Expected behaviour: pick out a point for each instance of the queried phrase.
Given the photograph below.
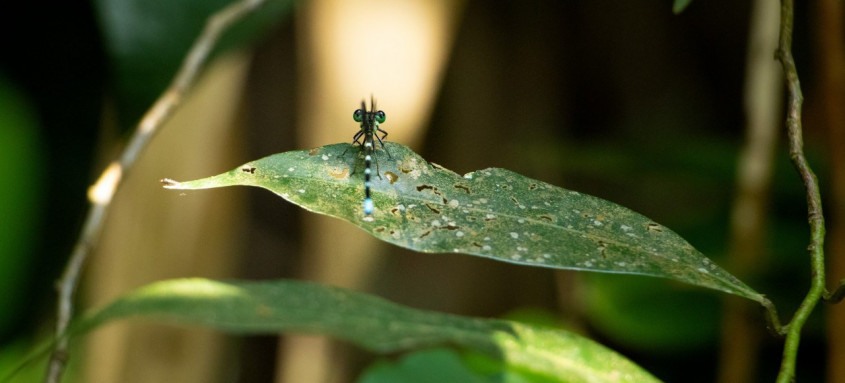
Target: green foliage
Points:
(22, 170)
(17, 363)
(146, 41)
(491, 213)
(647, 315)
(678, 6)
(369, 322)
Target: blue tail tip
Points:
(368, 206)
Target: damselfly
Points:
(369, 133)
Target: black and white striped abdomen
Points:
(368, 170)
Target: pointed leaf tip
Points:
(168, 183)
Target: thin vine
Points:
(101, 193)
(814, 206)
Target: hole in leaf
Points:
(424, 187)
(432, 208)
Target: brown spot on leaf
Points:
(339, 173)
(263, 311)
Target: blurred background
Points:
(677, 117)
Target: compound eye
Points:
(358, 115)
(380, 116)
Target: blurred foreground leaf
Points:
(491, 213)
(434, 365)
(370, 322)
(447, 365)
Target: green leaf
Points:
(491, 213)
(367, 321)
(679, 5)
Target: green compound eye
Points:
(380, 117)
(358, 115)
